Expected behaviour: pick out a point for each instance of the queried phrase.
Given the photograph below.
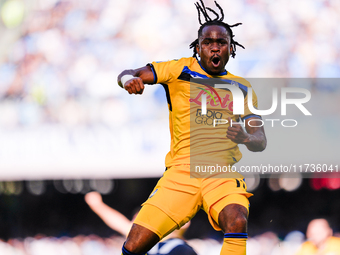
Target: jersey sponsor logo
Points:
(207, 119)
(213, 101)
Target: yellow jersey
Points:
(196, 137)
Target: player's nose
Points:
(215, 47)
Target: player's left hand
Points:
(236, 133)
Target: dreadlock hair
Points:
(209, 22)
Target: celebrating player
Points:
(177, 197)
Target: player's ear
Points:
(198, 49)
(231, 51)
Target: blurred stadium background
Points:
(66, 128)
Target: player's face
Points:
(214, 48)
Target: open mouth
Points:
(215, 61)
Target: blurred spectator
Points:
(320, 240)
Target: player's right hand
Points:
(134, 86)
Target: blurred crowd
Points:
(320, 238)
(59, 65)
(265, 244)
(62, 65)
(79, 245)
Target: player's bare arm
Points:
(135, 79)
(255, 138)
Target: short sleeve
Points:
(168, 71)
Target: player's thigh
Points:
(176, 195)
(155, 220)
(225, 192)
(150, 225)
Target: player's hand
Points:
(134, 86)
(93, 199)
(236, 133)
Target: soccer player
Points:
(320, 239)
(173, 244)
(195, 139)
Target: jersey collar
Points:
(220, 74)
